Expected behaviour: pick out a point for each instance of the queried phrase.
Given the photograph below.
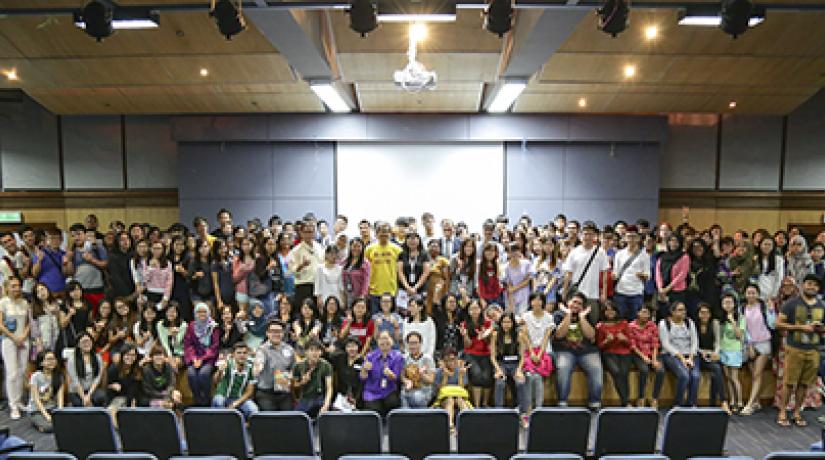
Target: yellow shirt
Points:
(383, 267)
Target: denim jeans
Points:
(686, 379)
(518, 390)
(628, 305)
(618, 366)
(644, 371)
(534, 390)
(200, 382)
(717, 380)
(416, 399)
(591, 364)
(311, 406)
(247, 408)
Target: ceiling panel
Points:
(451, 67)
(386, 98)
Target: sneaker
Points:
(525, 421)
(14, 414)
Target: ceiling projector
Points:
(415, 77)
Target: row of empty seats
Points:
(146, 456)
(412, 433)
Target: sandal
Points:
(782, 420)
(799, 421)
(748, 410)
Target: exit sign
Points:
(11, 217)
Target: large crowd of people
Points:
(313, 316)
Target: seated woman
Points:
(575, 345)
(452, 382)
(419, 374)
(171, 330)
(708, 333)
(236, 382)
(230, 330)
(348, 386)
(123, 380)
(46, 391)
(680, 349)
(85, 371)
(507, 349)
(381, 374)
(158, 381)
(200, 345)
(644, 342)
(612, 337)
(312, 379)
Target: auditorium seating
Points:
(414, 434)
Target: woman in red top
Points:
(489, 279)
(644, 343)
(612, 338)
(476, 331)
(359, 325)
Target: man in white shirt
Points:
(631, 268)
(587, 281)
(303, 261)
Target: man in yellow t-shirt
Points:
(383, 258)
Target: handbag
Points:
(574, 288)
(544, 367)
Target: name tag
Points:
(510, 358)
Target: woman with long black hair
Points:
(356, 273)
(672, 269)
(179, 258)
(85, 374)
(701, 281)
(46, 391)
(476, 331)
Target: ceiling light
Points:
(11, 74)
(629, 71)
(204, 72)
(735, 16)
(710, 17)
(400, 17)
(582, 102)
(416, 11)
(330, 96)
(418, 32)
(96, 19)
(651, 32)
(362, 18)
(227, 14)
(613, 16)
(505, 95)
(498, 17)
(732, 104)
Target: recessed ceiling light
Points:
(651, 32)
(732, 104)
(582, 102)
(629, 71)
(204, 72)
(11, 74)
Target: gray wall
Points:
(29, 155)
(805, 152)
(256, 179)
(601, 182)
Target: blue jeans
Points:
(518, 390)
(247, 408)
(417, 399)
(311, 406)
(717, 380)
(591, 364)
(628, 305)
(686, 379)
(200, 382)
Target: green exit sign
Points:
(11, 217)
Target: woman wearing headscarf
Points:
(743, 267)
(672, 270)
(702, 287)
(799, 262)
(200, 352)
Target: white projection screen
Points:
(382, 181)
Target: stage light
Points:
(362, 17)
(506, 94)
(651, 32)
(330, 96)
(613, 17)
(629, 71)
(735, 16)
(227, 14)
(96, 19)
(582, 102)
(498, 17)
(11, 74)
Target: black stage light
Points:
(227, 14)
(97, 19)
(362, 17)
(736, 15)
(613, 17)
(498, 18)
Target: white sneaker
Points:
(15, 414)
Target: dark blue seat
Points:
(559, 429)
(122, 456)
(41, 456)
(626, 431)
(546, 457)
(152, 430)
(281, 433)
(460, 457)
(215, 432)
(795, 455)
(473, 425)
(349, 433)
(374, 457)
(694, 432)
(82, 431)
(417, 433)
(634, 457)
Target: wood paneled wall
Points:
(750, 219)
(63, 218)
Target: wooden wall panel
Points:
(744, 218)
(163, 216)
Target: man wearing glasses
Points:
(304, 260)
(273, 370)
